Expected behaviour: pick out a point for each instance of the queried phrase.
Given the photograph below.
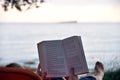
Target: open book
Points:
(57, 57)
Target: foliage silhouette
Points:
(18, 4)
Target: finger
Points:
(39, 69)
(72, 71)
(39, 72)
(45, 74)
(39, 66)
(66, 78)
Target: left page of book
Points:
(54, 58)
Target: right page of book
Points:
(75, 55)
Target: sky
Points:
(67, 10)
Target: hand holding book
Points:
(40, 73)
(58, 56)
(72, 75)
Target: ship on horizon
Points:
(69, 21)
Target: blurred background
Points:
(96, 21)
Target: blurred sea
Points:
(101, 41)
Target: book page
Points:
(75, 54)
(55, 59)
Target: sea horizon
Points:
(100, 41)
